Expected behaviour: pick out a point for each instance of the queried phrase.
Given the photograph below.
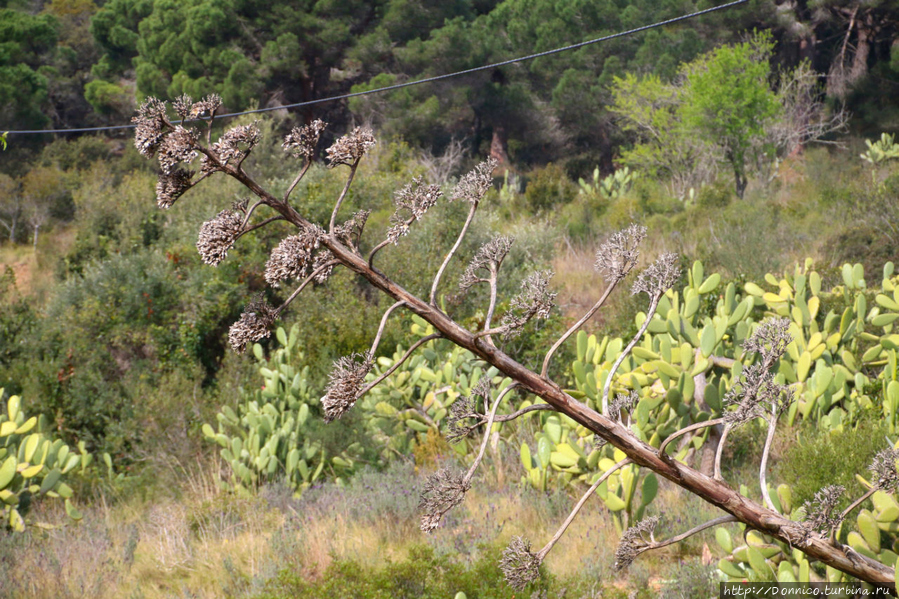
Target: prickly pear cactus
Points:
(265, 438)
(416, 398)
(33, 465)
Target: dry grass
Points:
(210, 543)
(34, 270)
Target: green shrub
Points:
(549, 187)
(422, 575)
(820, 458)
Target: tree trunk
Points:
(498, 146)
(862, 49)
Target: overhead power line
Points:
(421, 81)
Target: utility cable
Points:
(421, 81)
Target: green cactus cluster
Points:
(416, 398)
(841, 362)
(881, 151)
(266, 438)
(611, 187)
(873, 534)
(32, 464)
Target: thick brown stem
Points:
(714, 492)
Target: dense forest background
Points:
(113, 330)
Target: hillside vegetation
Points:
(157, 479)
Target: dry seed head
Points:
(623, 402)
(618, 256)
(770, 339)
(228, 146)
(151, 124)
(321, 259)
(519, 565)
(443, 491)
(457, 425)
(293, 256)
(344, 384)
(178, 146)
(465, 408)
(534, 300)
(253, 325)
(820, 516)
(350, 232)
(350, 148)
(412, 202)
(218, 235)
(633, 541)
(883, 466)
(301, 141)
(206, 107)
(474, 185)
(659, 277)
(491, 253)
(482, 388)
(756, 395)
(172, 186)
(182, 106)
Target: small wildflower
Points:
(658, 277)
(473, 186)
(344, 384)
(218, 235)
(443, 491)
(292, 257)
(151, 123)
(350, 148)
(535, 300)
(412, 202)
(883, 467)
(178, 146)
(253, 325)
(172, 186)
(633, 541)
(618, 256)
(301, 141)
(519, 565)
(820, 516)
(490, 255)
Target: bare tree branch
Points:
(399, 362)
(377, 341)
(688, 429)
